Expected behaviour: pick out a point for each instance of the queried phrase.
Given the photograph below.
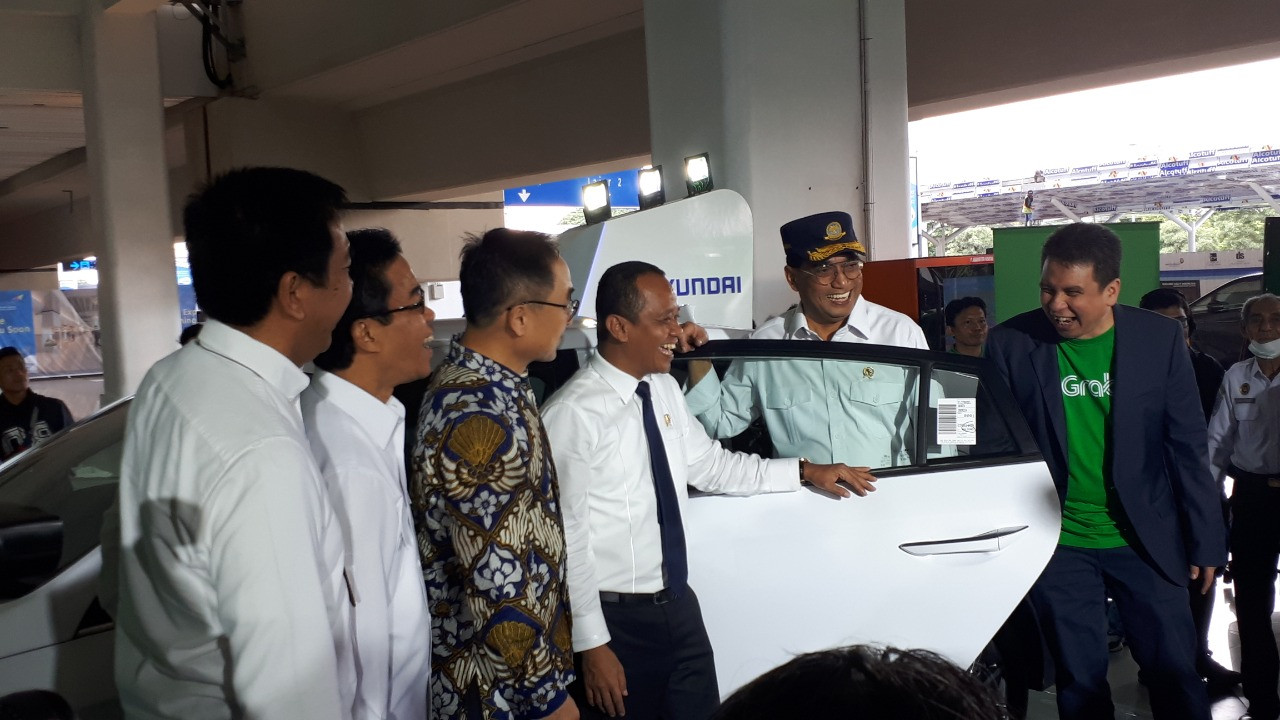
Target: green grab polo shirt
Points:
(1091, 512)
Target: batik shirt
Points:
(492, 543)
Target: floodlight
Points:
(697, 174)
(651, 192)
(595, 202)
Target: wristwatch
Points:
(803, 462)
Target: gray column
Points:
(124, 127)
(775, 92)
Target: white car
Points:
(936, 558)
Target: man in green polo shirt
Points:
(1109, 393)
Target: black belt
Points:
(1271, 479)
(662, 597)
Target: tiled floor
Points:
(1131, 698)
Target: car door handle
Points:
(989, 541)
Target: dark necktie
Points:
(675, 563)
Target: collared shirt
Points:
(606, 481)
(813, 408)
(358, 441)
(1243, 430)
(233, 600)
(485, 502)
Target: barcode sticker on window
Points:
(957, 421)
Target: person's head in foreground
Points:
(862, 682)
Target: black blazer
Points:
(1159, 447)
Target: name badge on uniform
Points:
(667, 419)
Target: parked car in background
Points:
(1217, 318)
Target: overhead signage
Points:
(624, 192)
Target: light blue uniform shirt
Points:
(824, 410)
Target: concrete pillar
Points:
(124, 128)
(775, 93)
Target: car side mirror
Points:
(30, 548)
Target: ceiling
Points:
(42, 130)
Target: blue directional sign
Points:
(624, 191)
(17, 321)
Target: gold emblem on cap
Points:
(834, 231)
(868, 372)
(1244, 389)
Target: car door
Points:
(959, 527)
(54, 633)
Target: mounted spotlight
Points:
(595, 202)
(697, 174)
(651, 192)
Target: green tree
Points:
(970, 241)
(1224, 230)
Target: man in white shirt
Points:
(233, 600)
(356, 430)
(825, 266)
(1244, 442)
(637, 626)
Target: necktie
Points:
(675, 563)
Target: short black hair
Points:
(504, 267)
(249, 227)
(617, 294)
(1080, 244)
(189, 333)
(372, 252)
(1162, 298)
(959, 305)
(11, 351)
(867, 683)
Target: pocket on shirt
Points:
(1246, 412)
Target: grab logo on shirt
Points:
(1073, 386)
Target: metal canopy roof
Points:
(1227, 178)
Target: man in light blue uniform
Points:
(823, 410)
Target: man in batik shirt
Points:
(485, 494)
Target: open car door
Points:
(964, 518)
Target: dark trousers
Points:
(667, 658)
(1255, 548)
(1070, 600)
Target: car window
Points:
(861, 405)
(1235, 292)
(70, 481)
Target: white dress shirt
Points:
(1244, 429)
(867, 323)
(610, 508)
(233, 601)
(358, 442)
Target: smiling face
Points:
(409, 332)
(1075, 303)
(826, 306)
(650, 340)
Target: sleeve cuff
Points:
(704, 396)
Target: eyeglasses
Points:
(826, 272)
(571, 307)
(419, 306)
